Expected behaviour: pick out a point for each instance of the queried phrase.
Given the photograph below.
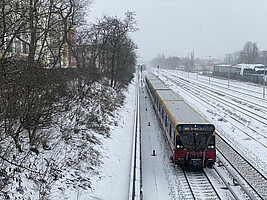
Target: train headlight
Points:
(180, 146)
(211, 147)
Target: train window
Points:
(170, 129)
(212, 140)
(179, 143)
(166, 121)
(195, 141)
(173, 131)
(211, 145)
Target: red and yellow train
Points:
(190, 136)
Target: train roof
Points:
(184, 113)
(179, 108)
(168, 95)
(157, 83)
(160, 86)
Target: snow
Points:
(223, 117)
(113, 179)
(160, 177)
(155, 184)
(256, 67)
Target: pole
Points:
(263, 92)
(264, 77)
(209, 68)
(229, 76)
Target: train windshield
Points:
(195, 137)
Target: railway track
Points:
(253, 134)
(208, 184)
(238, 124)
(238, 98)
(254, 179)
(197, 185)
(240, 90)
(258, 102)
(135, 168)
(200, 186)
(254, 111)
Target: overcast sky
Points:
(177, 27)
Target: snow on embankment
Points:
(113, 180)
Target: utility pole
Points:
(209, 68)
(229, 71)
(263, 92)
(188, 65)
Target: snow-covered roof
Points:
(255, 67)
(248, 66)
(222, 65)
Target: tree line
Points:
(174, 62)
(112, 51)
(44, 106)
(250, 54)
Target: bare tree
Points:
(108, 42)
(250, 53)
(33, 35)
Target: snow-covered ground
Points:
(155, 184)
(222, 115)
(113, 179)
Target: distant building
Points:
(67, 55)
(221, 69)
(46, 52)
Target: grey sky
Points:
(177, 27)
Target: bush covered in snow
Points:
(50, 124)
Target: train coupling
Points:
(195, 162)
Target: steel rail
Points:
(254, 184)
(202, 181)
(238, 91)
(135, 169)
(257, 117)
(253, 177)
(227, 183)
(252, 103)
(232, 173)
(252, 129)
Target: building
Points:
(51, 46)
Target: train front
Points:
(195, 145)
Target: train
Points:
(243, 72)
(190, 137)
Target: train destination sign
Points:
(195, 127)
